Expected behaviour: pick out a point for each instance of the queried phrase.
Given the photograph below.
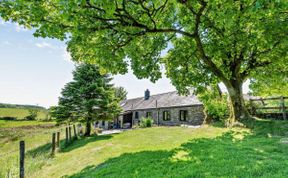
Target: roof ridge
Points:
(151, 95)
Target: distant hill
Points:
(20, 106)
(19, 111)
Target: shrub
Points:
(215, 106)
(32, 114)
(146, 122)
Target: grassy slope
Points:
(10, 124)
(37, 137)
(20, 113)
(169, 152)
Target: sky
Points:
(34, 70)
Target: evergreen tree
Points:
(87, 98)
(121, 93)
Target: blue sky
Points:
(33, 70)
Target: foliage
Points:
(272, 82)
(146, 122)
(90, 96)
(215, 105)
(32, 114)
(121, 93)
(208, 41)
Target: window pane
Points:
(183, 115)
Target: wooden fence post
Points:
(58, 140)
(75, 134)
(22, 158)
(53, 144)
(283, 107)
(69, 133)
(67, 139)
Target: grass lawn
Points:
(209, 151)
(20, 113)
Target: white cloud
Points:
(45, 44)
(20, 28)
(6, 43)
(3, 23)
(66, 56)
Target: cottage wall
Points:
(195, 115)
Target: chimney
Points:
(147, 94)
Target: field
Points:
(20, 113)
(209, 151)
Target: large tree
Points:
(90, 96)
(209, 41)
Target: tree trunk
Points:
(88, 126)
(238, 110)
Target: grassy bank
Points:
(209, 151)
(37, 136)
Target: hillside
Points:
(21, 106)
(20, 111)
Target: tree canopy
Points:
(208, 40)
(89, 97)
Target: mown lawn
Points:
(209, 151)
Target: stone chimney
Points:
(147, 94)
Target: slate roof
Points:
(164, 100)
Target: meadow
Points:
(21, 113)
(259, 150)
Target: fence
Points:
(55, 147)
(272, 107)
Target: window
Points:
(148, 114)
(166, 115)
(183, 115)
(136, 115)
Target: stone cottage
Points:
(165, 109)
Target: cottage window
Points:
(148, 114)
(136, 115)
(166, 115)
(183, 115)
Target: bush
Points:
(146, 122)
(7, 118)
(215, 106)
(32, 114)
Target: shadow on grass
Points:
(40, 151)
(45, 150)
(80, 142)
(234, 154)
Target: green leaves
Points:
(208, 40)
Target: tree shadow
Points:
(233, 154)
(39, 151)
(82, 141)
(45, 150)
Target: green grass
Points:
(20, 113)
(209, 151)
(11, 124)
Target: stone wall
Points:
(195, 115)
